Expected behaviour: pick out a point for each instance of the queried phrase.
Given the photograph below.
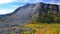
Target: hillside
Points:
(34, 11)
(32, 16)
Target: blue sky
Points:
(8, 6)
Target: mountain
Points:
(21, 15)
(49, 13)
(39, 12)
(31, 11)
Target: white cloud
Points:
(9, 10)
(6, 1)
(16, 6)
(30, 1)
(5, 11)
(10, 1)
(51, 1)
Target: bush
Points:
(46, 19)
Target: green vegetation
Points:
(39, 28)
(49, 18)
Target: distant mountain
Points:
(31, 11)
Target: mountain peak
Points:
(25, 13)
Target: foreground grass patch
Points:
(42, 29)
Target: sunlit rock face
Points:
(31, 11)
(22, 14)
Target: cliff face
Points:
(25, 13)
(48, 9)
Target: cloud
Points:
(9, 10)
(30, 1)
(6, 1)
(16, 6)
(6, 11)
(10, 1)
(46, 1)
(51, 1)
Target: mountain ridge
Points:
(23, 14)
(22, 17)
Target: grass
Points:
(39, 28)
(42, 28)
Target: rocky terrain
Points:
(23, 15)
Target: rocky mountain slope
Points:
(27, 13)
(22, 14)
